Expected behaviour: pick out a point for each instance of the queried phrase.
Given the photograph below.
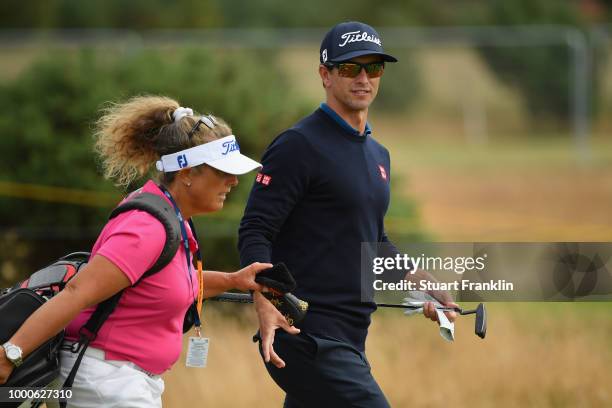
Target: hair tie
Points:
(180, 112)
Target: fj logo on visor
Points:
(182, 161)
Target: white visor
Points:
(222, 154)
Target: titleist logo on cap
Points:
(356, 36)
(230, 147)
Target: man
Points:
(322, 191)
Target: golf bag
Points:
(17, 303)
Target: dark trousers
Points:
(322, 372)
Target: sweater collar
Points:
(344, 124)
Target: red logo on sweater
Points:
(263, 179)
(383, 172)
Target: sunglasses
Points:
(352, 69)
(208, 120)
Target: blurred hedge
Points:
(542, 74)
(147, 14)
(46, 118)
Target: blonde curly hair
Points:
(131, 136)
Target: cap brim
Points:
(236, 164)
(355, 54)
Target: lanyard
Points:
(198, 303)
(200, 279)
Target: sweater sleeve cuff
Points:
(255, 253)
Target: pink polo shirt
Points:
(146, 328)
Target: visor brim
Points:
(236, 164)
(355, 54)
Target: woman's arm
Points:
(99, 280)
(219, 282)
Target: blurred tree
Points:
(151, 14)
(401, 86)
(47, 114)
(134, 14)
(542, 74)
(46, 123)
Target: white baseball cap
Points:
(222, 154)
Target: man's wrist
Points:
(259, 300)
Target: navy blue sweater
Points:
(323, 190)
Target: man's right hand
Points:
(270, 319)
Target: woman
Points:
(198, 159)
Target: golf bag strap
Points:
(73, 371)
(158, 207)
(164, 213)
(89, 332)
(161, 210)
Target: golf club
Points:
(480, 327)
(290, 306)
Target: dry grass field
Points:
(512, 191)
(553, 355)
(527, 189)
(535, 354)
(508, 189)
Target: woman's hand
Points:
(270, 319)
(6, 367)
(244, 279)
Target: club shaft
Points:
(233, 297)
(247, 298)
(445, 309)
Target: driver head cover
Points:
(222, 154)
(278, 278)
